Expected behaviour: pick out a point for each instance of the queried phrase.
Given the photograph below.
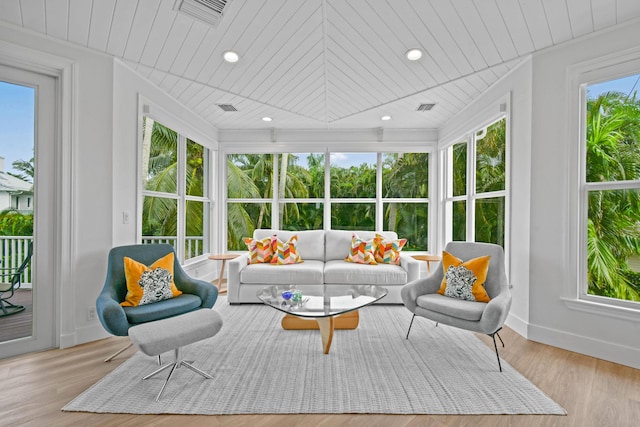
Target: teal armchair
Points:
(196, 294)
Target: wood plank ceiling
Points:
(312, 64)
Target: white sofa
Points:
(323, 253)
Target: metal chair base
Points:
(7, 308)
(113, 356)
(493, 336)
(176, 364)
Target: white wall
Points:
(554, 191)
(90, 175)
(544, 194)
(103, 149)
(131, 93)
(514, 90)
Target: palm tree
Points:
(613, 228)
(160, 175)
(26, 167)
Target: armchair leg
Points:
(108, 359)
(410, 324)
(493, 336)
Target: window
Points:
(175, 190)
(611, 190)
(345, 191)
(475, 202)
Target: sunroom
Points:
(323, 122)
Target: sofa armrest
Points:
(234, 268)
(411, 265)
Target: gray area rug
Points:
(259, 368)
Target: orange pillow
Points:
(146, 285)
(467, 278)
(285, 252)
(362, 251)
(260, 251)
(388, 251)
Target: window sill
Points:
(601, 309)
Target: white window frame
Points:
(327, 200)
(184, 132)
(471, 196)
(576, 296)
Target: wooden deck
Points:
(18, 325)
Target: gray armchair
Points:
(196, 294)
(422, 299)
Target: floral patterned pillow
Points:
(464, 280)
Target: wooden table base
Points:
(326, 325)
(348, 320)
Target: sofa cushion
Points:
(310, 243)
(468, 274)
(260, 250)
(285, 252)
(388, 251)
(461, 309)
(308, 273)
(147, 285)
(338, 242)
(362, 251)
(341, 272)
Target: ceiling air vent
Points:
(227, 107)
(425, 107)
(209, 11)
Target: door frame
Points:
(59, 252)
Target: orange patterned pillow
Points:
(362, 251)
(260, 251)
(388, 251)
(285, 252)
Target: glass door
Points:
(27, 132)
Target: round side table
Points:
(223, 258)
(429, 259)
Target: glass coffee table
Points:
(323, 303)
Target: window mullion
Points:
(275, 199)
(327, 190)
(471, 187)
(182, 189)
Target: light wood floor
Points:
(595, 393)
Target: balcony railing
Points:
(13, 249)
(194, 245)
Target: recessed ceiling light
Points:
(414, 54)
(385, 118)
(231, 56)
(267, 119)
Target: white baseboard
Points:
(83, 335)
(585, 345)
(518, 325)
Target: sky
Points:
(624, 85)
(16, 123)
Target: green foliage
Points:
(13, 223)
(160, 214)
(613, 229)
(404, 176)
(489, 176)
(26, 167)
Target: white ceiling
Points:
(322, 63)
